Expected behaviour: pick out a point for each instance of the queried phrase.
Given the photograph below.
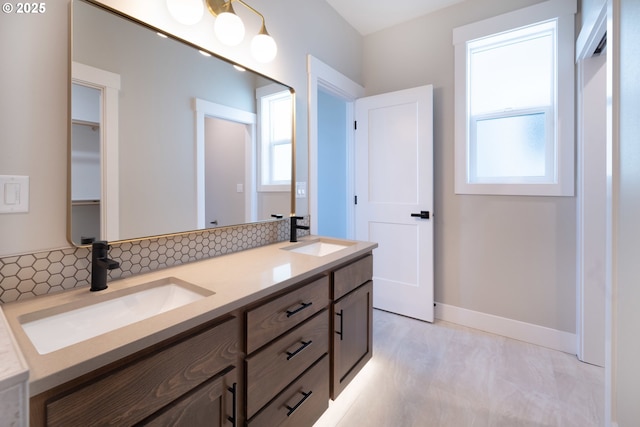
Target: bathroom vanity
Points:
(272, 334)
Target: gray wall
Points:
(34, 87)
(512, 257)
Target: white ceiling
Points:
(369, 16)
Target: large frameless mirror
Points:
(166, 138)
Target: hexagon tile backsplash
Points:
(28, 275)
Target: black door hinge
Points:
(355, 125)
(355, 199)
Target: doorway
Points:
(332, 166)
(225, 154)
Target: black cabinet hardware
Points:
(234, 416)
(303, 305)
(305, 344)
(341, 324)
(292, 409)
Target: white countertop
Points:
(237, 279)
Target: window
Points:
(514, 102)
(275, 110)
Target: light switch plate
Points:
(14, 194)
(301, 190)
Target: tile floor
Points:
(443, 374)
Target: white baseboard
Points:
(534, 334)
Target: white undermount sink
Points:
(58, 327)
(318, 247)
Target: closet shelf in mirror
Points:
(85, 202)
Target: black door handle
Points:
(422, 214)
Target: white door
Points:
(394, 183)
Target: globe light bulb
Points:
(229, 29)
(187, 12)
(263, 48)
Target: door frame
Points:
(202, 110)
(109, 85)
(586, 295)
(321, 75)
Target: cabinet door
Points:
(212, 404)
(352, 338)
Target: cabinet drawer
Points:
(271, 369)
(348, 278)
(130, 394)
(302, 403)
(273, 318)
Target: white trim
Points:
(613, 210)
(515, 19)
(591, 206)
(593, 29)
(321, 75)
(109, 85)
(202, 109)
(522, 331)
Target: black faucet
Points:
(100, 264)
(295, 227)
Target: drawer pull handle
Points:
(290, 355)
(341, 324)
(292, 409)
(232, 418)
(303, 305)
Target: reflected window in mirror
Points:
(275, 109)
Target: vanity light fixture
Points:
(230, 30)
(228, 26)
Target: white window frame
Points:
(562, 155)
(279, 186)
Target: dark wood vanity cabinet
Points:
(176, 382)
(352, 294)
